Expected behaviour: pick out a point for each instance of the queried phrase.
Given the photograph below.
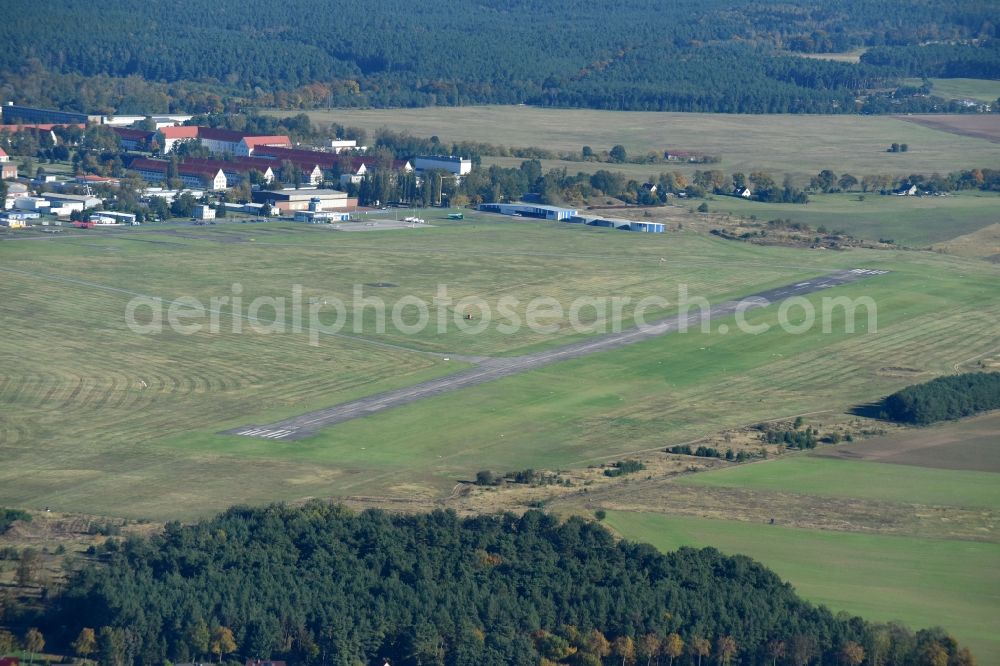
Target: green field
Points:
(96, 418)
(796, 144)
(923, 582)
(983, 90)
(909, 221)
(877, 481)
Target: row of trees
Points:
(319, 584)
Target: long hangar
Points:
(543, 212)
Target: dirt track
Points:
(495, 368)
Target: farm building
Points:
(520, 209)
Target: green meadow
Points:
(909, 221)
(922, 582)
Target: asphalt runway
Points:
(491, 369)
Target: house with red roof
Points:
(249, 144)
(94, 179)
(7, 168)
(191, 175)
(134, 139)
(219, 140)
(169, 137)
(237, 168)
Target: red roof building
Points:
(191, 175)
(133, 139)
(220, 140)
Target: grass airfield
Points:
(98, 419)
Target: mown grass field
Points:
(909, 221)
(98, 419)
(922, 582)
(795, 144)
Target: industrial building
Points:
(648, 227)
(321, 217)
(290, 200)
(34, 204)
(458, 166)
(14, 114)
(158, 120)
(112, 217)
(84, 201)
(340, 145)
(521, 209)
(203, 212)
(621, 224)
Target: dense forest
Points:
(945, 398)
(318, 584)
(146, 56)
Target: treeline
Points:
(691, 55)
(711, 452)
(318, 584)
(944, 398)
